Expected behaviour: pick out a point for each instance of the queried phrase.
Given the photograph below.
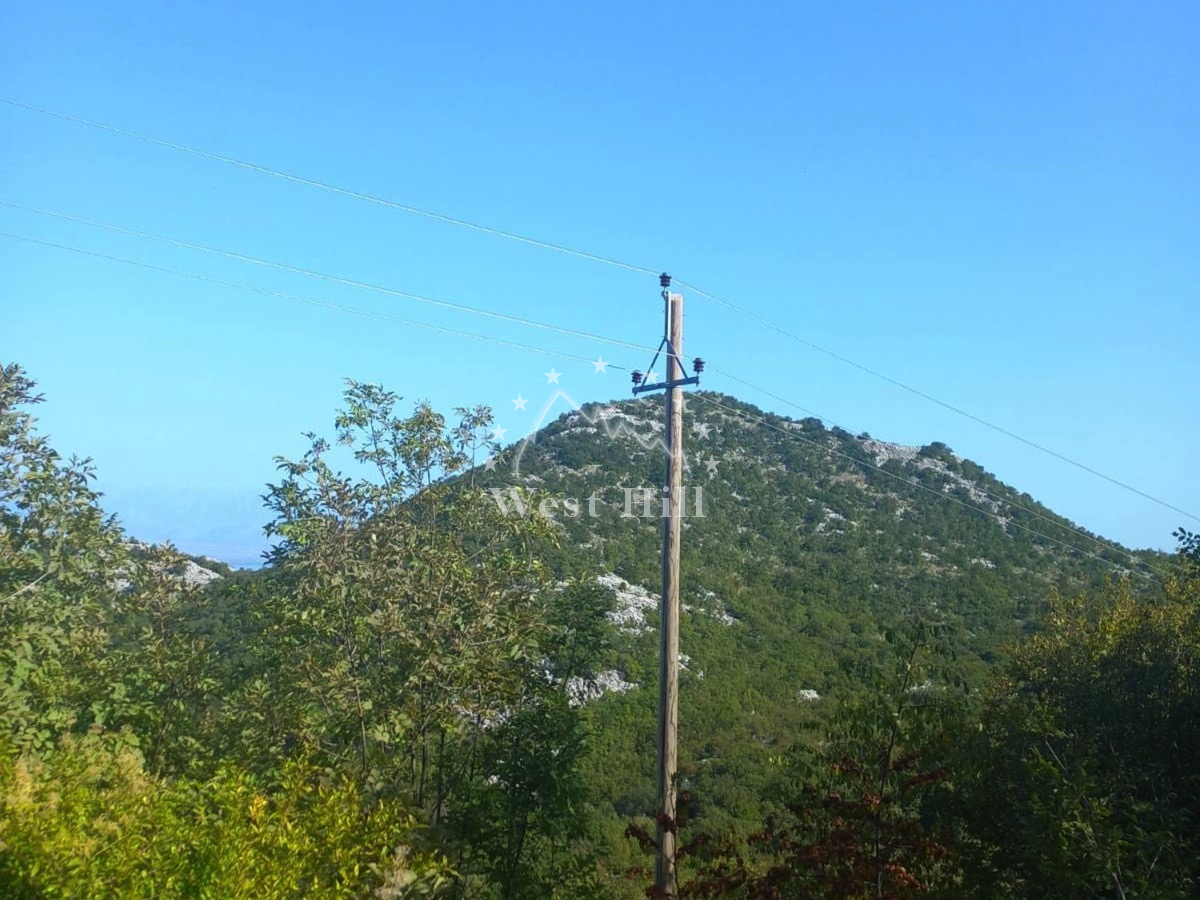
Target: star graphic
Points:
(552, 376)
(702, 429)
(490, 464)
(683, 403)
(651, 377)
(600, 365)
(712, 466)
(498, 433)
(519, 403)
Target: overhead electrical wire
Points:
(336, 279)
(1000, 429)
(301, 299)
(911, 483)
(575, 357)
(998, 498)
(325, 186)
(793, 404)
(592, 257)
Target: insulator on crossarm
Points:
(664, 281)
(637, 378)
(698, 365)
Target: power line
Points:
(791, 434)
(932, 399)
(769, 393)
(325, 186)
(993, 496)
(477, 311)
(337, 279)
(513, 344)
(558, 248)
(301, 299)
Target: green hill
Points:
(812, 543)
(898, 672)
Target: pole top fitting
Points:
(664, 281)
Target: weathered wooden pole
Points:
(668, 666)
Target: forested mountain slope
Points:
(813, 542)
(899, 679)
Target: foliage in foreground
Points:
(1073, 774)
(387, 710)
(409, 646)
(87, 820)
(1080, 775)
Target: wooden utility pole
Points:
(668, 664)
(673, 512)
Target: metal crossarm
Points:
(640, 385)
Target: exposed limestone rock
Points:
(585, 690)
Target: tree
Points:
(853, 826)
(160, 674)
(59, 558)
(413, 613)
(525, 822)
(1081, 778)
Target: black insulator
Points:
(637, 377)
(698, 365)
(664, 280)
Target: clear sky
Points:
(997, 203)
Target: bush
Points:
(87, 821)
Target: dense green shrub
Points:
(86, 820)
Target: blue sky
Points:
(996, 203)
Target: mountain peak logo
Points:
(609, 422)
(605, 418)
